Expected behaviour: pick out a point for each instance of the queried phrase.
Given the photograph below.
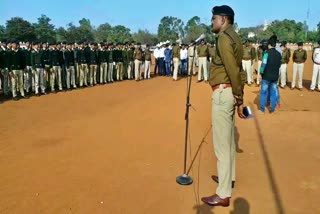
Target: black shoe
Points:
(15, 98)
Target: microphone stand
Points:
(185, 179)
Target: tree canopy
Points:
(170, 28)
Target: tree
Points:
(145, 37)
(120, 33)
(44, 30)
(85, 30)
(194, 28)
(287, 30)
(103, 32)
(62, 35)
(73, 33)
(20, 29)
(2, 32)
(170, 28)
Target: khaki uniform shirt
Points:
(300, 56)
(176, 52)
(285, 56)
(137, 54)
(227, 63)
(203, 51)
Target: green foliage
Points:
(20, 29)
(44, 30)
(170, 28)
(194, 28)
(103, 32)
(120, 33)
(145, 37)
(2, 32)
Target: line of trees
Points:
(170, 28)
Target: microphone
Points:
(201, 37)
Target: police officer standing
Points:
(28, 70)
(4, 69)
(16, 67)
(147, 62)
(316, 68)
(93, 64)
(203, 53)
(227, 82)
(70, 67)
(247, 61)
(284, 64)
(191, 60)
(259, 56)
(299, 58)
(110, 62)
(137, 61)
(37, 63)
(176, 60)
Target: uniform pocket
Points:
(226, 97)
(216, 96)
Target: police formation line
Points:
(299, 58)
(41, 67)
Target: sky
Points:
(146, 14)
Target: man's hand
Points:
(259, 77)
(240, 111)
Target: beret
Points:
(300, 43)
(223, 10)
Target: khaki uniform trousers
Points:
(147, 69)
(176, 63)
(259, 66)
(283, 74)
(247, 67)
(93, 74)
(83, 75)
(120, 71)
(39, 80)
(315, 75)
(71, 76)
(17, 82)
(130, 68)
(28, 80)
(55, 76)
(103, 72)
(223, 124)
(203, 64)
(110, 72)
(137, 74)
(297, 68)
(190, 65)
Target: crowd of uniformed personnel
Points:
(299, 57)
(38, 68)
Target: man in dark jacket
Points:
(271, 62)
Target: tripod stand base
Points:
(184, 179)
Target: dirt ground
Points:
(117, 149)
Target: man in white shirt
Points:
(316, 68)
(161, 60)
(156, 57)
(184, 59)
